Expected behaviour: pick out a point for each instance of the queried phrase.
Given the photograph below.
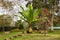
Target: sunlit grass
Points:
(3, 36)
(38, 37)
(34, 36)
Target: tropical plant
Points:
(30, 15)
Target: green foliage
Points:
(15, 30)
(19, 23)
(30, 14)
(37, 4)
(52, 2)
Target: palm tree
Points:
(30, 16)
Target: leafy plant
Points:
(19, 23)
(30, 15)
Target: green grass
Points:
(55, 32)
(50, 36)
(38, 37)
(35, 36)
(3, 36)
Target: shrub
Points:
(16, 30)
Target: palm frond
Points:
(29, 15)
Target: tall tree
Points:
(53, 5)
(46, 4)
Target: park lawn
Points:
(56, 32)
(35, 36)
(3, 36)
(38, 37)
(50, 36)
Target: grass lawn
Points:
(50, 36)
(38, 37)
(3, 36)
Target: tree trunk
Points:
(52, 28)
(29, 29)
(51, 24)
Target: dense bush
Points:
(19, 24)
(16, 30)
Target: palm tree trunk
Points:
(29, 28)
